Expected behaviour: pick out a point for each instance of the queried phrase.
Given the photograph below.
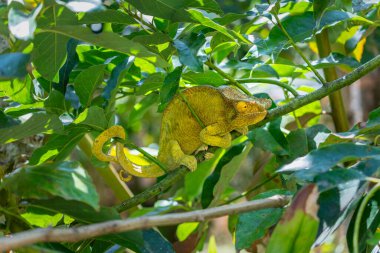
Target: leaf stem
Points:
(228, 77)
(270, 81)
(359, 216)
(320, 78)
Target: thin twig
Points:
(279, 24)
(270, 81)
(19, 240)
(228, 77)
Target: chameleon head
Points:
(250, 111)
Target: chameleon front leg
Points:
(216, 135)
(180, 158)
(242, 130)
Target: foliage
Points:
(69, 70)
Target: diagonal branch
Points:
(19, 240)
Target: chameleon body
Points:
(221, 110)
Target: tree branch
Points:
(19, 240)
(272, 114)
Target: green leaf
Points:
(19, 110)
(55, 103)
(336, 59)
(35, 124)
(323, 159)
(194, 181)
(188, 48)
(340, 191)
(19, 90)
(299, 27)
(108, 40)
(209, 187)
(158, 43)
(13, 65)
(86, 83)
(333, 17)
(252, 226)
(58, 147)
(93, 117)
(49, 54)
(228, 172)
(368, 226)
(170, 87)
(298, 227)
(185, 229)
(65, 179)
(151, 83)
(297, 141)
(106, 16)
(140, 108)
(174, 10)
(41, 218)
(264, 140)
(205, 21)
(207, 77)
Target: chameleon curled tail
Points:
(151, 170)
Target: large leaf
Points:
(19, 90)
(170, 87)
(106, 16)
(58, 147)
(174, 10)
(34, 124)
(207, 77)
(86, 83)
(340, 191)
(323, 159)
(211, 182)
(228, 172)
(298, 227)
(252, 226)
(49, 54)
(369, 224)
(13, 65)
(202, 19)
(194, 181)
(107, 40)
(66, 179)
(188, 48)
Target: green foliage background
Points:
(69, 71)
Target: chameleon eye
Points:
(241, 106)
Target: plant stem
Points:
(269, 81)
(320, 78)
(336, 100)
(228, 77)
(191, 109)
(355, 239)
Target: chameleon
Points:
(198, 117)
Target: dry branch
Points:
(21, 239)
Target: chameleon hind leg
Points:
(180, 158)
(216, 135)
